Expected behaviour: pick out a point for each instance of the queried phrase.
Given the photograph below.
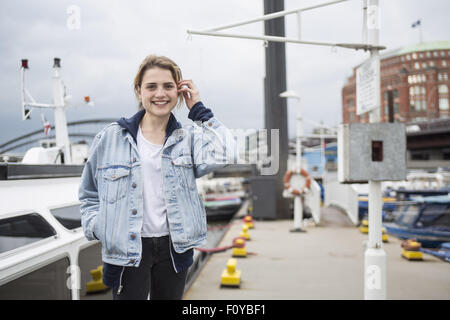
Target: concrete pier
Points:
(326, 262)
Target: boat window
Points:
(69, 217)
(408, 214)
(46, 283)
(21, 230)
(435, 215)
(89, 259)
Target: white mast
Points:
(62, 135)
(59, 106)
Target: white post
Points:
(298, 206)
(61, 132)
(22, 92)
(299, 135)
(298, 214)
(364, 35)
(375, 256)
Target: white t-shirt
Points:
(155, 212)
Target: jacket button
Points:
(133, 236)
(210, 124)
(133, 185)
(132, 261)
(134, 159)
(134, 211)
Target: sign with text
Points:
(368, 85)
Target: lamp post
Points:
(298, 207)
(374, 256)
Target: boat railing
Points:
(343, 196)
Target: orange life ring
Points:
(287, 180)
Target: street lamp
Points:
(292, 94)
(298, 207)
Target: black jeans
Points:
(155, 275)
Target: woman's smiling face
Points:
(158, 92)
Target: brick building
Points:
(416, 77)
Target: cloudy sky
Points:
(101, 57)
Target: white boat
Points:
(43, 251)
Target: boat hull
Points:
(429, 238)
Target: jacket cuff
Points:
(200, 113)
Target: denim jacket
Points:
(111, 185)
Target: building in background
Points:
(414, 89)
(418, 78)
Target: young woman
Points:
(138, 193)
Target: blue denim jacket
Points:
(111, 185)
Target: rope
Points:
(225, 248)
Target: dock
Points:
(326, 262)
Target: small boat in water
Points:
(222, 197)
(426, 219)
(221, 208)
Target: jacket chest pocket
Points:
(115, 184)
(184, 171)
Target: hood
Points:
(132, 124)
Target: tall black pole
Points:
(275, 107)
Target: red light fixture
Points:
(25, 63)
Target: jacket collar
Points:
(132, 124)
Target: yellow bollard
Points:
(96, 285)
(239, 251)
(384, 236)
(411, 250)
(230, 276)
(248, 220)
(364, 228)
(244, 234)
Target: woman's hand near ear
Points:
(190, 92)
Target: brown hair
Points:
(153, 61)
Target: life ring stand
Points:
(287, 182)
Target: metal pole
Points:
(22, 92)
(274, 15)
(62, 136)
(364, 35)
(356, 46)
(298, 206)
(375, 256)
(275, 115)
(299, 135)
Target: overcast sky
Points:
(100, 59)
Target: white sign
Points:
(368, 85)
